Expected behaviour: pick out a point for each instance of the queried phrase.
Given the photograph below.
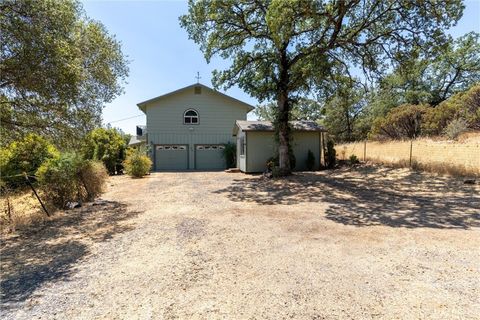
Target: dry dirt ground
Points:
(346, 244)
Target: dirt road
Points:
(371, 243)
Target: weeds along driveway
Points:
(367, 243)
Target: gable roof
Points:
(302, 125)
(142, 105)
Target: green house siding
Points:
(301, 143)
(261, 146)
(217, 115)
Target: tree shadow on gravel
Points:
(369, 196)
(34, 257)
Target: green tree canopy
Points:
(432, 77)
(343, 111)
(25, 155)
(58, 69)
(281, 50)
(302, 109)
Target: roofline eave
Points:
(144, 103)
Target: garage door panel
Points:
(171, 157)
(209, 157)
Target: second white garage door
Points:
(209, 157)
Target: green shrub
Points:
(402, 122)
(69, 178)
(455, 128)
(276, 172)
(229, 153)
(310, 160)
(463, 105)
(137, 164)
(25, 155)
(106, 145)
(330, 155)
(271, 163)
(93, 176)
(275, 162)
(471, 111)
(435, 120)
(293, 159)
(353, 159)
(58, 178)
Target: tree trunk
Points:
(349, 125)
(283, 133)
(283, 114)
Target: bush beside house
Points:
(106, 145)
(310, 160)
(330, 155)
(69, 178)
(137, 164)
(229, 154)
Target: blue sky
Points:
(162, 57)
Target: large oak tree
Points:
(432, 77)
(58, 68)
(283, 49)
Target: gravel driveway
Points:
(349, 244)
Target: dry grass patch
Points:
(456, 158)
(20, 209)
(452, 169)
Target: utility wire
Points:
(138, 115)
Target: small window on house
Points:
(190, 117)
(198, 90)
(242, 146)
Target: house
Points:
(187, 129)
(256, 144)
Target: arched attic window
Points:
(190, 116)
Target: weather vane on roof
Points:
(198, 77)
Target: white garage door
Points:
(209, 157)
(171, 157)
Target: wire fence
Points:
(7, 193)
(463, 156)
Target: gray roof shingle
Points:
(303, 125)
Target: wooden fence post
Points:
(36, 195)
(365, 151)
(411, 146)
